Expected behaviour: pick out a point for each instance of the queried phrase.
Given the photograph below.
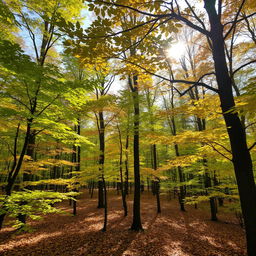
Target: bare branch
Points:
(252, 146)
(235, 20)
(229, 151)
(218, 151)
(193, 83)
(202, 84)
(31, 34)
(23, 104)
(195, 15)
(48, 105)
(244, 65)
(112, 118)
(245, 17)
(110, 82)
(249, 125)
(37, 132)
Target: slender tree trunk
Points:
(136, 224)
(92, 189)
(100, 194)
(241, 156)
(172, 124)
(126, 185)
(157, 182)
(208, 184)
(78, 162)
(181, 178)
(101, 159)
(123, 192)
(12, 175)
(30, 152)
(105, 205)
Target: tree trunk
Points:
(105, 205)
(241, 156)
(172, 124)
(157, 182)
(101, 159)
(30, 152)
(16, 169)
(126, 185)
(123, 192)
(92, 189)
(136, 224)
(182, 189)
(100, 194)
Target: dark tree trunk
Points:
(126, 185)
(16, 166)
(208, 184)
(172, 124)
(157, 182)
(100, 194)
(105, 205)
(77, 160)
(30, 152)
(92, 189)
(2, 216)
(101, 159)
(27, 176)
(123, 192)
(181, 178)
(213, 209)
(221, 201)
(241, 156)
(136, 224)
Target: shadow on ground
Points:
(171, 233)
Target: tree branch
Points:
(218, 151)
(252, 146)
(202, 84)
(172, 14)
(235, 20)
(244, 65)
(245, 17)
(194, 83)
(247, 126)
(48, 105)
(229, 151)
(128, 29)
(23, 104)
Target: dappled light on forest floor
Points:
(167, 234)
(29, 241)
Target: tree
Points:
(216, 35)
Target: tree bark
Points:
(105, 204)
(157, 182)
(241, 156)
(126, 185)
(123, 192)
(12, 175)
(136, 224)
(101, 159)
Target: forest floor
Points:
(172, 233)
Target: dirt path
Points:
(172, 233)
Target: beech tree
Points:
(181, 124)
(216, 31)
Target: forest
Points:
(127, 127)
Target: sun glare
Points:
(176, 50)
